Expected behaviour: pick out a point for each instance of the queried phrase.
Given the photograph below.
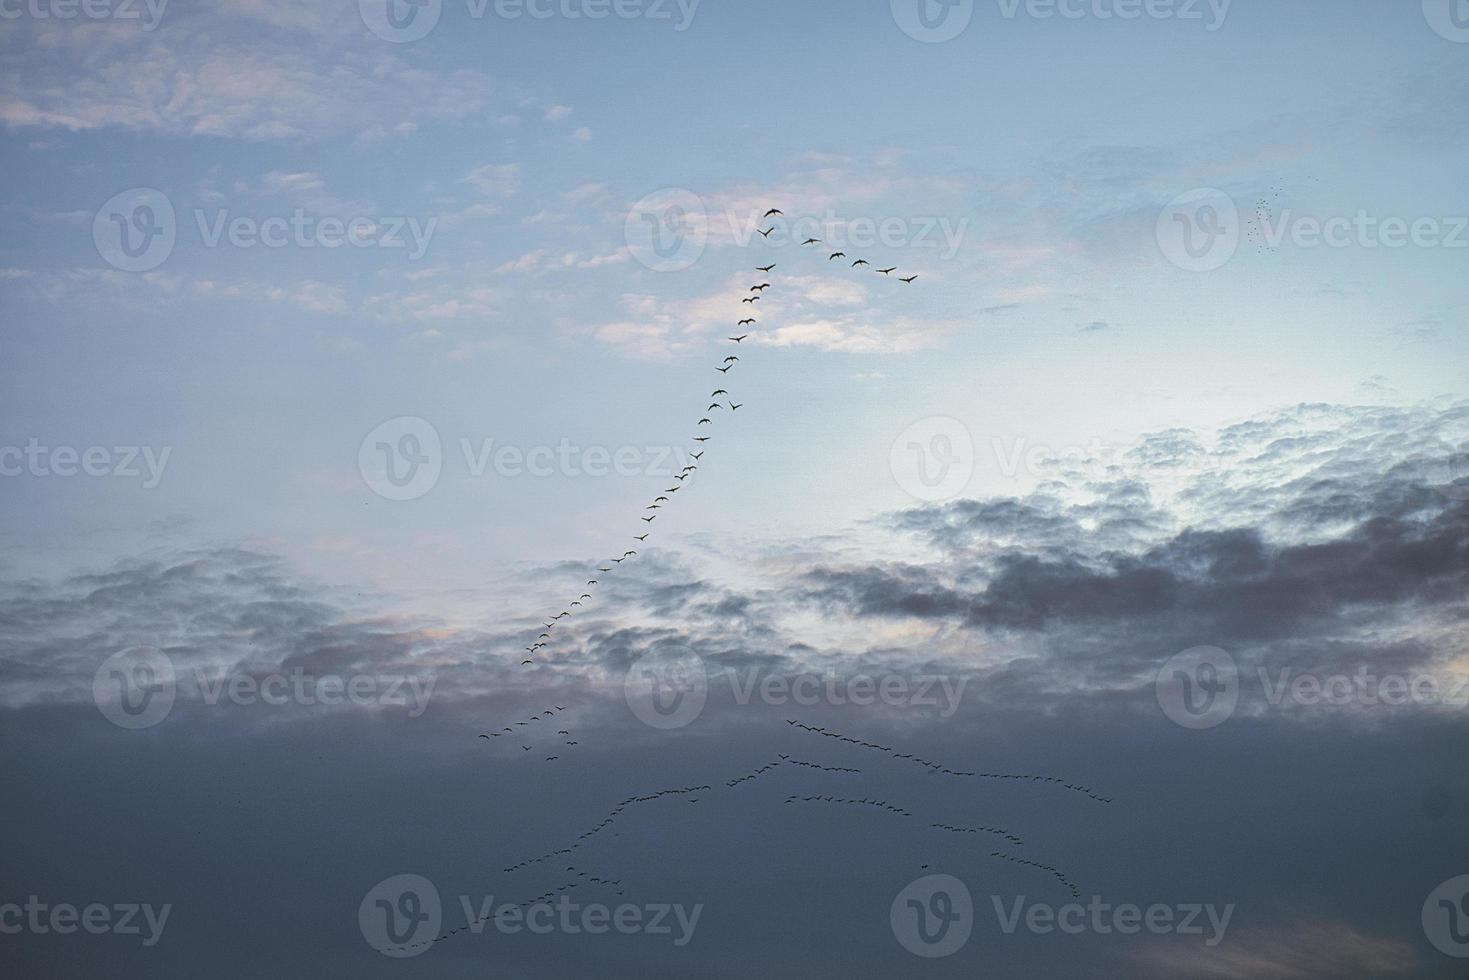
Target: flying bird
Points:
(695, 456)
(765, 268)
(644, 537)
(735, 408)
(746, 322)
(714, 406)
(750, 299)
(730, 358)
(740, 339)
(886, 271)
(909, 279)
(773, 212)
(724, 370)
(766, 232)
(650, 520)
(719, 392)
(837, 255)
(706, 422)
(860, 262)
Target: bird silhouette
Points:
(774, 211)
(740, 339)
(837, 255)
(765, 268)
(886, 272)
(909, 279)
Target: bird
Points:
(740, 339)
(526, 747)
(735, 408)
(909, 279)
(604, 569)
(702, 439)
(591, 581)
(644, 537)
(730, 358)
(774, 211)
(860, 262)
(576, 603)
(746, 322)
(766, 232)
(837, 255)
(706, 421)
(587, 595)
(761, 288)
(724, 370)
(713, 406)
(650, 520)
(886, 271)
(750, 299)
(765, 268)
(812, 241)
(628, 554)
(718, 392)
(695, 456)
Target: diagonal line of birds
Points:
(722, 403)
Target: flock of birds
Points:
(722, 401)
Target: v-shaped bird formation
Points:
(722, 404)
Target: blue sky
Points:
(1155, 447)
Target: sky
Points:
(350, 339)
